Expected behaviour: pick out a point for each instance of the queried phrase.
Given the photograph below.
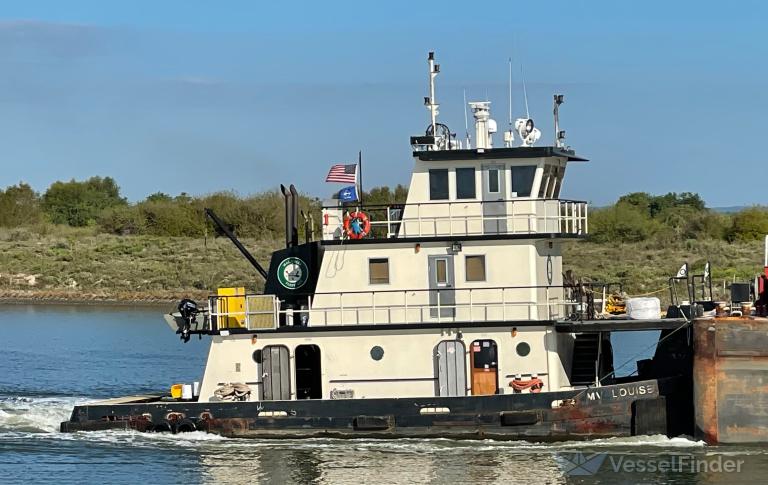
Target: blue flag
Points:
(348, 194)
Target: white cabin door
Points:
(275, 373)
(451, 367)
(442, 293)
(494, 195)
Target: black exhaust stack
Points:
(288, 215)
(294, 216)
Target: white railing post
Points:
(373, 304)
(471, 313)
(438, 307)
(418, 219)
(247, 314)
(405, 303)
(586, 218)
(503, 306)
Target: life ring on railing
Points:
(357, 225)
(534, 384)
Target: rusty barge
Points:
(451, 315)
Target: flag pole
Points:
(360, 176)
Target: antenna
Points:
(510, 93)
(509, 135)
(466, 121)
(525, 93)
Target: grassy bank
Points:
(82, 265)
(78, 265)
(645, 267)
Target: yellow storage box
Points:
(231, 307)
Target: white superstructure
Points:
(451, 293)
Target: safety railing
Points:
(466, 218)
(251, 312)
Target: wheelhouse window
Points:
(475, 268)
(547, 181)
(522, 180)
(493, 180)
(438, 184)
(465, 183)
(378, 271)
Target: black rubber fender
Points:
(186, 426)
(163, 426)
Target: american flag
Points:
(343, 173)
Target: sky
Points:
(199, 96)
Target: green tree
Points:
(19, 205)
(80, 203)
(386, 196)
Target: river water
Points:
(55, 356)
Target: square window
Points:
(475, 267)
(465, 183)
(378, 271)
(438, 184)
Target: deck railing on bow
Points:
(466, 218)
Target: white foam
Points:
(35, 414)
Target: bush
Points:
(122, 220)
(622, 222)
(749, 225)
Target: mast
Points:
(430, 102)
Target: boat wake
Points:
(35, 414)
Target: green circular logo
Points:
(292, 273)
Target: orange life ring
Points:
(357, 225)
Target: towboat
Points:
(449, 315)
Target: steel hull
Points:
(642, 407)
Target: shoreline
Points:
(60, 297)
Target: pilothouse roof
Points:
(498, 153)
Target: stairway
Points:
(585, 354)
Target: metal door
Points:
(442, 292)
(275, 373)
(450, 363)
(494, 194)
(483, 361)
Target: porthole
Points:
(257, 357)
(377, 353)
(523, 349)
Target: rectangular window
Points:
(465, 183)
(438, 184)
(441, 270)
(493, 180)
(522, 179)
(378, 271)
(475, 266)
